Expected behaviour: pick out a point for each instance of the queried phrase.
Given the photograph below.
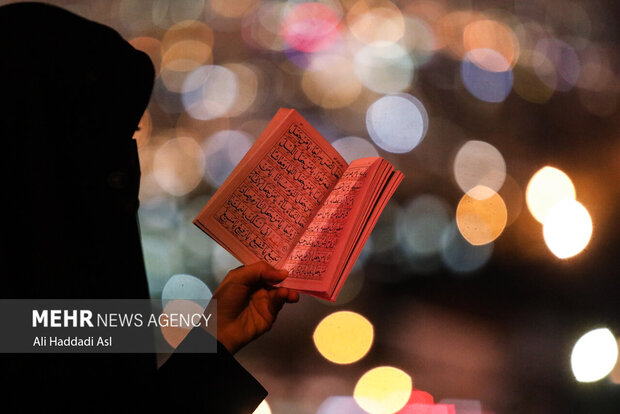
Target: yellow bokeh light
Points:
(546, 188)
(263, 408)
(232, 9)
(481, 219)
(178, 165)
(383, 390)
(567, 228)
(450, 29)
(186, 55)
(344, 337)
(188, 30)
(247, 87)
(330, 82)
(379, 20)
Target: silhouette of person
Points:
(73, 92)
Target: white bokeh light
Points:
(567, 228)
(594, 355)
(397, 123)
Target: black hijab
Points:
(73, 92)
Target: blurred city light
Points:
(594, 355)
(567, 228)
(178, 165)
(481, 219)
(461, 256)
(186, 287)
(425, 219)
(340, 404)
(383, 390)
(310, 27)
(489, 86)
(353, 148)
(223, 151)
(397, 123)
(384, 67)
(546, 188)
(479, 164)
(343, 337)
(174, 333)
(485, 35)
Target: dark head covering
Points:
(73, 92)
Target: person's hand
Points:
(248, 303)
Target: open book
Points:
(295, 203)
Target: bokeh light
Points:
(231, 9)
(223, 151)
(567, 228)
(485, 35)
(263, 408)
(459, 255)
(425, 219)
(246, 87)
(419, 40)
(450, 28)
(481, 220)
(222, 263)
(594, 355)
(353, 148)
(330, 81)
(479, 164)
(547, 187)
(343, 337)
(397, 123)
(178, 165)
(186, 46)
(383, 390)
(489, 86)
(376, 21)
(262, 28)
(340, 404)
(185, 10)
(564, 60)
(209, 92)
(532, 77)
(174, 328)
(182, 286)
(311, 27)
(384, 67)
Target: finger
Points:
(277, 298)
(292, 296)
(257, 273)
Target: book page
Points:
(268, 210)
(310, 258)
